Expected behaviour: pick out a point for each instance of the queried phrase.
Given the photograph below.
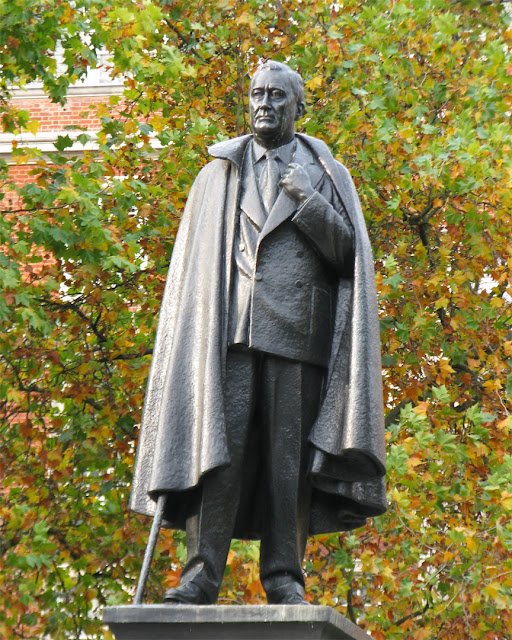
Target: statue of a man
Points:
(263, 416)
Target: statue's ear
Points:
(301, 110)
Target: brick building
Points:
(52, 121)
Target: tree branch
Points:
(414, 614)
(184, 40)
(70, 306)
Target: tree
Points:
(414, 96)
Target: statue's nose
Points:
(265, 101)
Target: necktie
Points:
(269, 180)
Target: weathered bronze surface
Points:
(263, 415)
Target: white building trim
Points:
(44, 141)
(34, 91)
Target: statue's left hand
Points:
(296, 182)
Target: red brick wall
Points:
(53, 117)
(20, 176)
(79, 110)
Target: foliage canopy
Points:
(414, 96)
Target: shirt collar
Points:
(284, 153)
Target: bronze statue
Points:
(263, 416)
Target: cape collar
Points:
(233, 149)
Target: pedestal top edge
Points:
(226, 614)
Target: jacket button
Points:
(300, 253)
(258, 276)
(241, 246)
(298, 284)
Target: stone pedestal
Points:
(253, 622)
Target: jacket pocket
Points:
(320, 329)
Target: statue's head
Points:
(276, 102)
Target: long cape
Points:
(182, 434)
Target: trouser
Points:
(270, 406)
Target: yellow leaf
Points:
(506, 424)
(400, 497)
(473, 364)
(445, 367)
(471, 544)
(314, 82)
(492, 384)
(22, 158)
(68, 14)
(32, 126)
(506, 500)
(387, 572)
(491, 590)
(246, 18)
(414, 461)
(476, 604)
(421, 409)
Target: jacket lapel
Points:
(307, 149)
(250, 202)
(285, 206)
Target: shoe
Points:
(188, 593)
(289, 593)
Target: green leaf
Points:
(62, 143)
(441, 393)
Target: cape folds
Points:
(182, 434)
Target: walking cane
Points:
(150, 549)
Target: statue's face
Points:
(273, 108)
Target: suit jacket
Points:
(286, 268)
(183, 431)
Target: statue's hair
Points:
(296, 79)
